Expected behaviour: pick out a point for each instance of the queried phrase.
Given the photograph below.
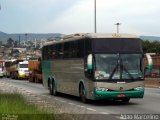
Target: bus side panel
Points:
(68, 73)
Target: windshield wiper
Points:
(114, 70)
(121, 68)
(128, 72)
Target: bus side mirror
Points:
(89, 62)
(89, 65)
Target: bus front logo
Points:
(121, 88)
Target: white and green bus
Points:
(95, 66)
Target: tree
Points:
(16, 44)
(1, 43)
(10, 42)
(151, 46)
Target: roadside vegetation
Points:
(151, 46)
(15, 107)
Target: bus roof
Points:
(78, 36)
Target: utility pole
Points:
(117, 26)
(95, 15)
(35, 43)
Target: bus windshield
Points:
(118, 66)
(23, 65)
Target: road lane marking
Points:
(62, 101)
(91, 109)
(103, 113)
(71, 103)
(79, 106)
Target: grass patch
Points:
(15, 106)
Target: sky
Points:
(140, 17)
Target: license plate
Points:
(121, 95)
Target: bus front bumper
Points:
(113, 95)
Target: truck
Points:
(7, 64)
(17, 69)
(35, 71)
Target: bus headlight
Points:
(139, 88)
(101, 89)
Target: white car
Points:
(1, 73)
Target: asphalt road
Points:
(150, 104)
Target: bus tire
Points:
(50, 87)
(54, 88)
(82, 93)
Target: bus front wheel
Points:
(82, 93)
